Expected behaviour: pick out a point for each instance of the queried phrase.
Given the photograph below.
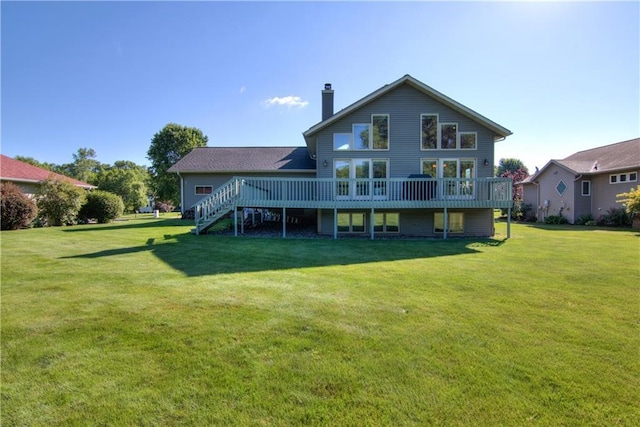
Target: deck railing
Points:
(273, 192)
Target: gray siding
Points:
(190, 181)
(404, 106)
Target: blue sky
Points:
(562, 77)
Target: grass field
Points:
(140, 323)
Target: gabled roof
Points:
(245, 159)
(606, 159)
(17, 171)
(500, 131)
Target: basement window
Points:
(202, 190)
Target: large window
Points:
(429, 129)
(586, 188)
(350, 222)
(365, 136)
(386, 222)
(444, 136)
(455, 222)
(462, 169)
(356, 176)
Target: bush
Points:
(615, 217)
(102, 206)
(584, 219)
(556, 219)
(163, 207)
(59, 202)
(17, 210)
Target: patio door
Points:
(464, 169)
(354, 178)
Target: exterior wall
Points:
(404, 106)
(604, 193)
(582, 203)
(416, 222)
(190, 181)
(551, 202)
(27, 188)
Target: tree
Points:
(84, 166)
(167, 147)
(126, 179)
(102, 206)
(630, 201)
(17, 210)
(59, 201)
(48, 166)
(511, 165)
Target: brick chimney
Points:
(327, 102)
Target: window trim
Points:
(204, 193)
(582, 184)
(351, 214)
(623, 178)
(437, 132)
(475, 134)
(449, 222)
(352, 136)
(384, 222)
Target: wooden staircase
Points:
(216, 206)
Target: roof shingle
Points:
(245, 159)
(15, 170)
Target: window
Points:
(386, 222)
(430, 167)
(365, 136)
(429, 128)
(455, 222)
(561, 187)
(468, 140)
(350, 222)
(623, 177)
(586, 188)
(355, 177)
(449, 135)
(203, 189)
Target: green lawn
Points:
(141, 323)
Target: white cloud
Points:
(286, 101)
(243, 90)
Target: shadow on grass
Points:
(210, 255)
(126, 224)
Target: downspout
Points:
(181, 194)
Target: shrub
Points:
(59, 202)
(163, 207)
(556, 219)
(102, 206)
(584, 219)
(630, 200)
(615, 217)
(17, 210)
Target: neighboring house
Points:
(404, 160)
(27, 176)
(584, 183)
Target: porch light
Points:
(486, 162)
(324, 163)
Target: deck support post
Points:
(335, 223)
(235, 221)
(284, 223)
(242, 222)
(446, 224)
(371, 221)
(509, 223)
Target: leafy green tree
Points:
(631, 201)
(17, 210)
(511, 165)
(167, 147)
(126, 179)
(48, 166)
(59, 201)
(84, 166)
(102, 206)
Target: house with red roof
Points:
(27, 176)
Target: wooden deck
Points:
(392, 193)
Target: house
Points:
(403, 160)
(27, 176)
(584, 183)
